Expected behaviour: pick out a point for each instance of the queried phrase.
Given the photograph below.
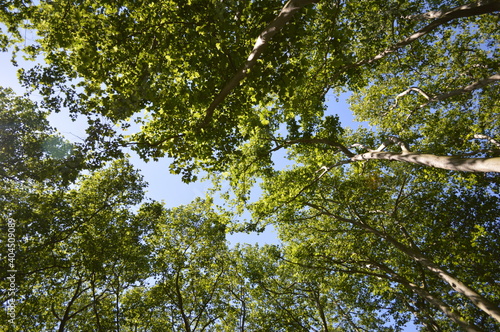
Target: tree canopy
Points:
(394, 220)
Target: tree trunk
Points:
(452, 314)
(481, 302)
(444, 162)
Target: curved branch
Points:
(469, 88)
(489, 138)
(476, 85)
(472, 9)
(405, 93)
(285, 15)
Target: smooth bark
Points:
(472, 9)
(444, 162)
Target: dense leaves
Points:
(367, 243)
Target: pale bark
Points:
(442, 17)
(489, 138)
(452, 163)
(432, 99)
(285, 15)
(435, 14)
(453, 315)
(472, 9)
(477, 299)
(444, 162)
(422, 292)
(476, 85)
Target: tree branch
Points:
(436, 14)
(405, 93)
(285, 15)
(454, 163)
(469, 88)
(414, 253)
(472, 9)
(489, 138)
(334, 144)
(476, 85)
(393, 140)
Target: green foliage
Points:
(353, 234)
(30, 148)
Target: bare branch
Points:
(393, 140)
(405, 93)
(469, 88)
(472, 9)
(358, 145)
(489, 138)
(476, 85)
(436, 14)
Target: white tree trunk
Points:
(445, 162)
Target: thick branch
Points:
(430, 15)
(66, 317)
(489, 138)
(422, 292)
(180, 304)
(452, 314)
(452, 163)
(285, 15)
(476, 85)
(469, 88)
(444, 162)
(472, 9)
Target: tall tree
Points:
(190, 268)
(394, 228)
(79, 250)
(425, 73)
